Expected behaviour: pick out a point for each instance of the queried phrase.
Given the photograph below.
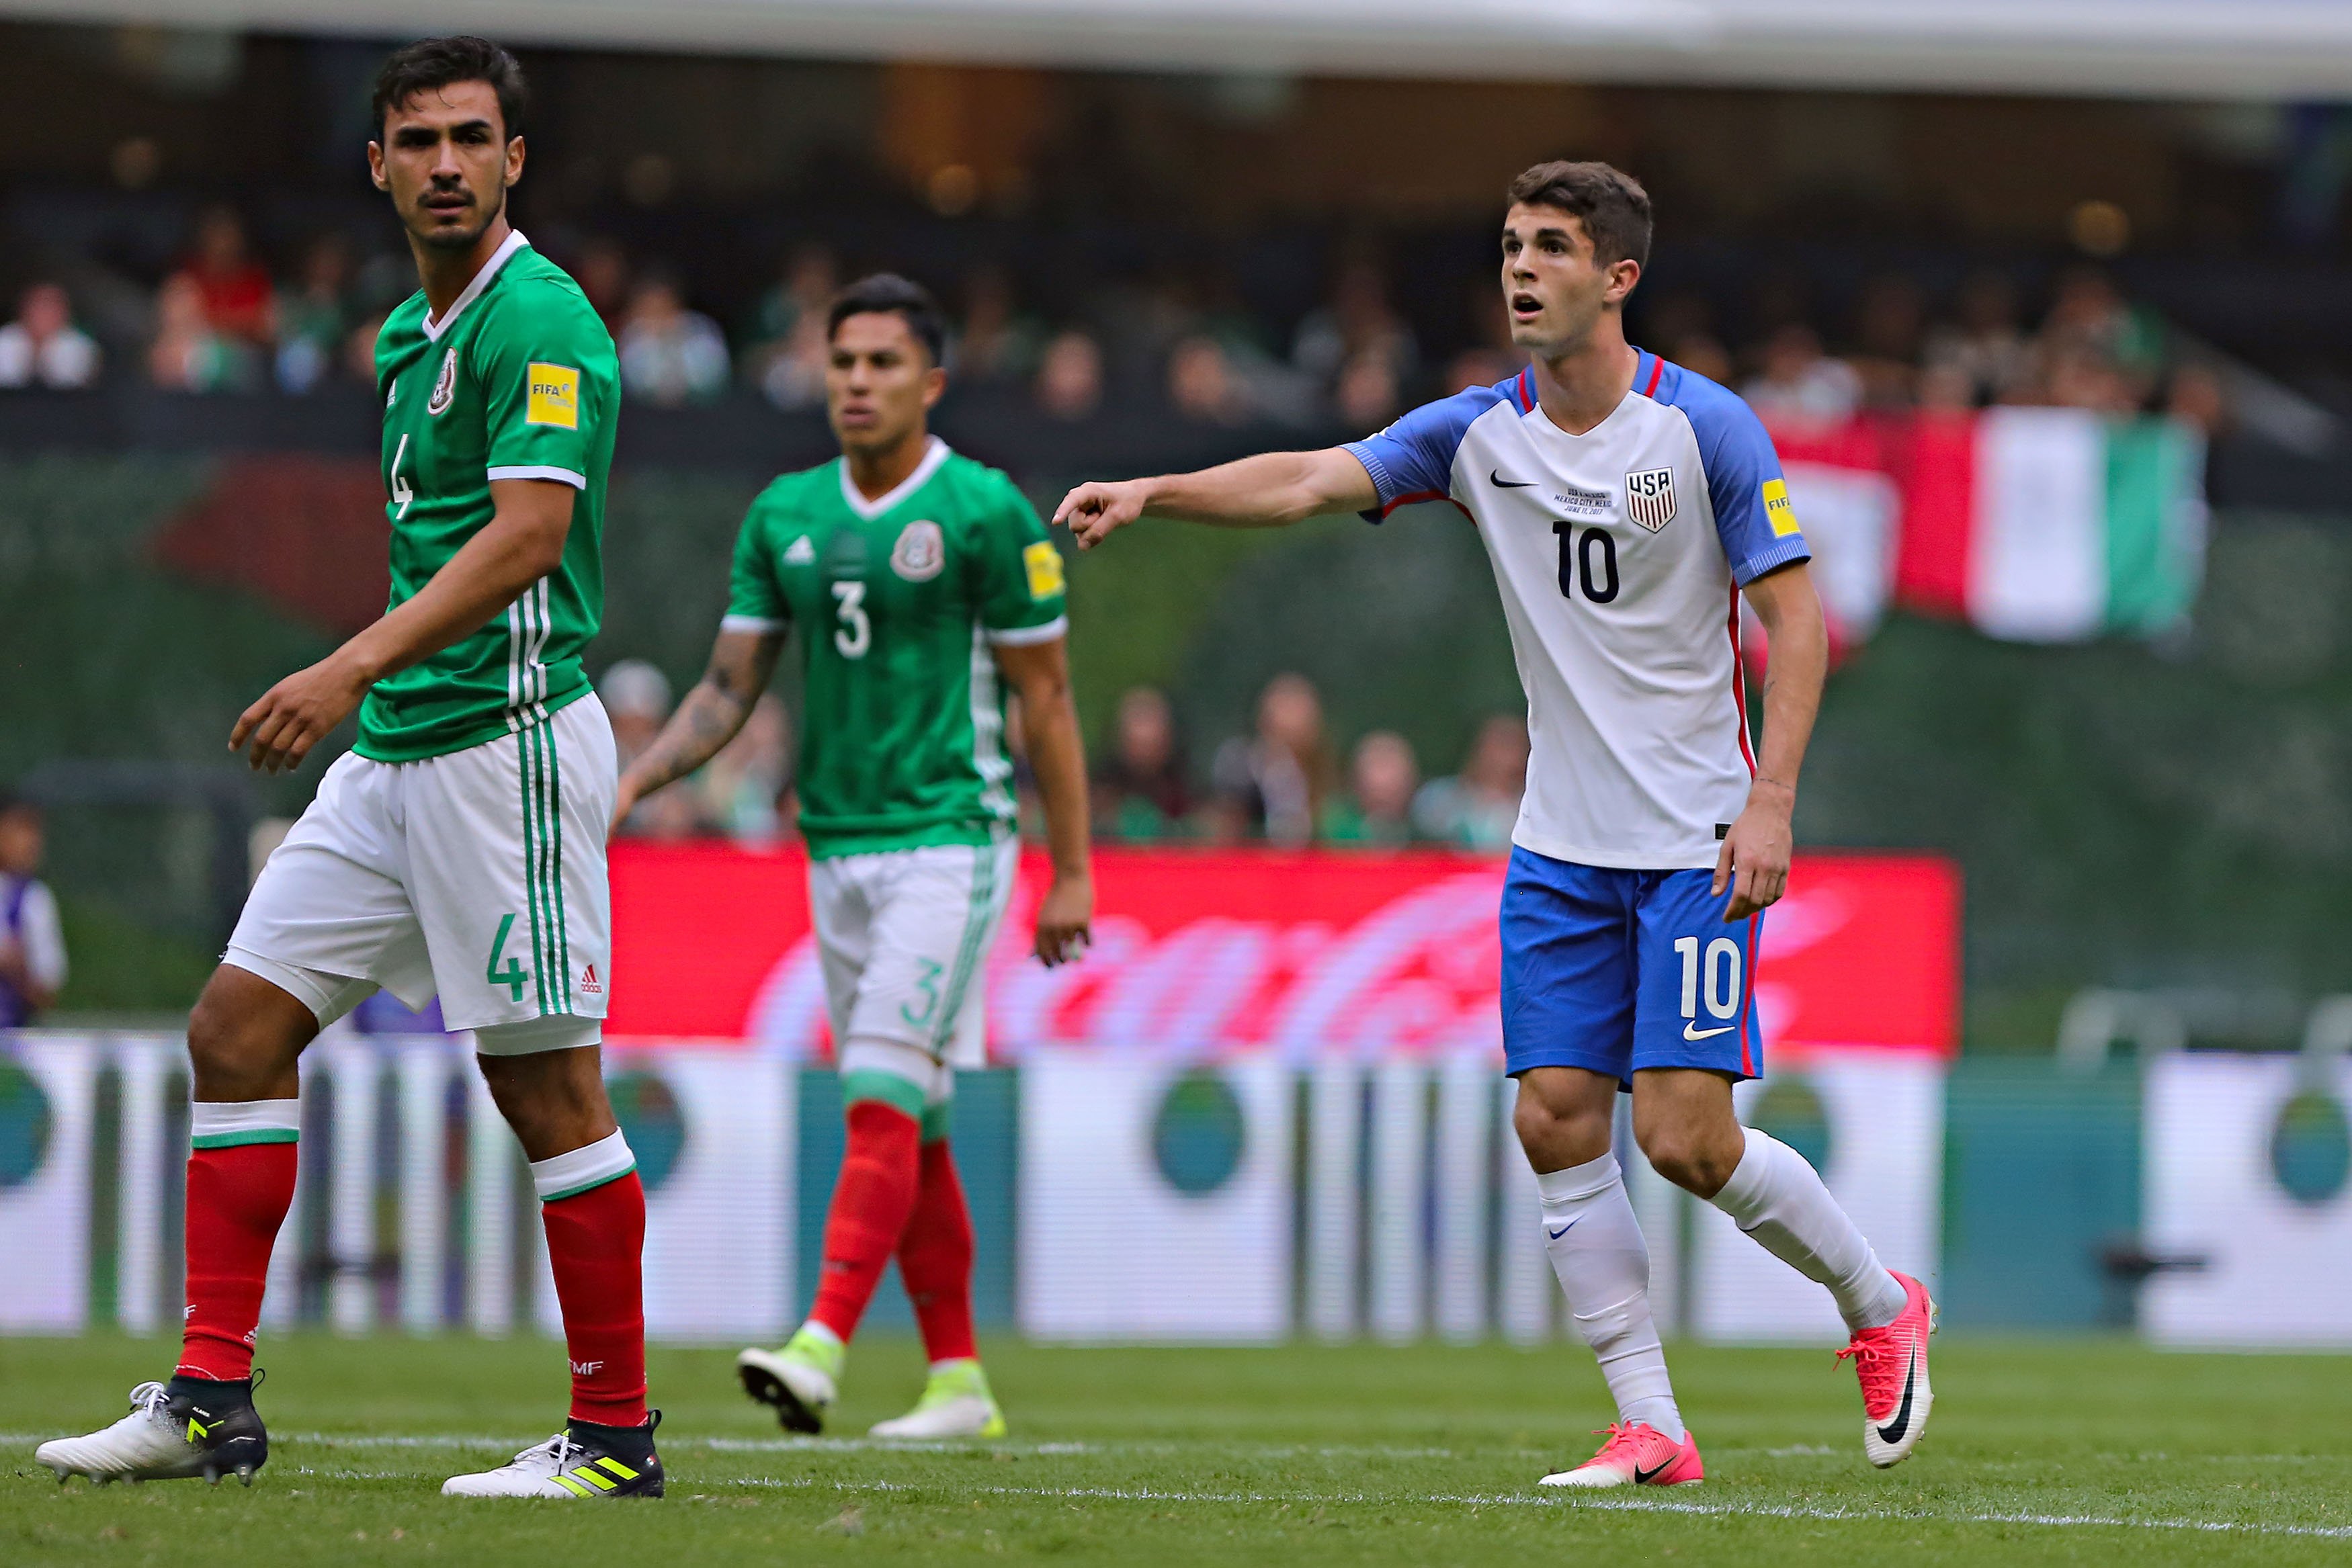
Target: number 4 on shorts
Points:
(514, 974)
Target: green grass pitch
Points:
(2089, 1451)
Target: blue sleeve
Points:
(1752, 513)
(1413, 460)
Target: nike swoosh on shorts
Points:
(1692, 1031)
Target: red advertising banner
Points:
(1300, 953)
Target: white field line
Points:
(1614, 1505)
(1161, 1447)
(1454, 1500)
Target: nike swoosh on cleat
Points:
(1902, 1423)
(1692, 1031)
(1642, 1477)
(1502, 484)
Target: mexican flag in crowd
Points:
(2034, 524)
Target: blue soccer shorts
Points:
(1617, 970)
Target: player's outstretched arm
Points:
(741, 666)
(523, 543)
(1268, 491)
(1040, 672)
(1754, 861)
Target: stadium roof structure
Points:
(2187, 48)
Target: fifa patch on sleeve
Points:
(554, 397)
(1776, 509)
(1045, 564)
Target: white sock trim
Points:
(1742, 1193)
(1579, 1181)
(590, 1165)
(217, 1123)
(818, 1331)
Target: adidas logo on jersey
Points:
(802, 552)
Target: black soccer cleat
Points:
(166, 1436)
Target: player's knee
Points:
(1687, 1158)
(234, 1053)
(1555, 1137)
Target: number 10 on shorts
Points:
(514, 975)
(1721, 967)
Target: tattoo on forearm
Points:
(705, 722)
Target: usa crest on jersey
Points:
(1650, 498)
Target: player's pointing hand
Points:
(1094, 510)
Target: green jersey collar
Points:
(514, 242)
(935, 455)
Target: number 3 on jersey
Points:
(856, 633)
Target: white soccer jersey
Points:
(1620, 554)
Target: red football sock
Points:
(935, 1257)
(595, 1242)
(237, 1198)
(870, 1206)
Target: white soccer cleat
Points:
(163, 1438)
(798, 1382)
(956, 1403)
(561, 1467)
(1892, 1364)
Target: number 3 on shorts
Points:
(514, 974)
(930, 985)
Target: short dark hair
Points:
(1609, 203)
(431, 63)
(887, 294)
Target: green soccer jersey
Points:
(518, 381)
(899, 602)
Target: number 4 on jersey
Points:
(514, 975)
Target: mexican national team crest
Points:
(445, 388)
(1650, 498)
(922, 551)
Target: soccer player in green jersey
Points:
(458, 850)
(920, 583)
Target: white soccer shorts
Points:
(903, 937)
(477, 876)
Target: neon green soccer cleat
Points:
(956, 1403)
(799, 1382)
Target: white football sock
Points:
(1778, 1198)
(1604, 1266)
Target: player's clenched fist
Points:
(278, 732)
(1094, 510)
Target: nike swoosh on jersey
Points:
(1893, 1432)
(1563, 1230)
(1692, 1031)
(1502, 484)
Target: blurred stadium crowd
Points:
(1282, 783)
(226, 317)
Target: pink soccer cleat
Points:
(1637, 1454)
(1892, 1364)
